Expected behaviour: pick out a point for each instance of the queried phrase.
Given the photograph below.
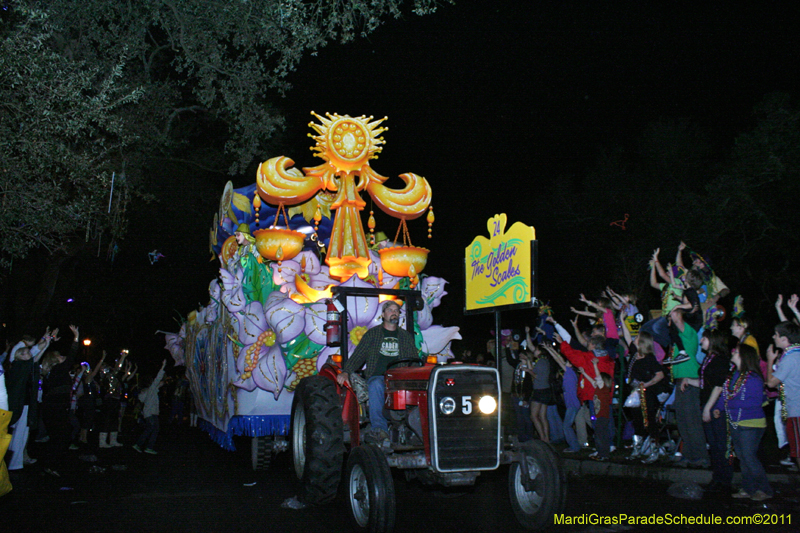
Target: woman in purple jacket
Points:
(743, 392)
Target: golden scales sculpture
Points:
(346, 145)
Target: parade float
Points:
(284, 244)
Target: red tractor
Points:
(444, 428)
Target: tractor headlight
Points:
(447, 405)
(487, 405)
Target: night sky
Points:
(494, 103)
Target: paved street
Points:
(193, 485)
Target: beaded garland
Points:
(738, 387)
(706, 362)
(630, 367)
(728, 392)
(643, 404)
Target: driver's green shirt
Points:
(369, 351)
(389, 351)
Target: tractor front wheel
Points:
(370, 490)
(537, 487)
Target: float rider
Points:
(249, 259)
(245, 241)
(378, 348)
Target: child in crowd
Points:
(602, 397)
(786, 374)
(626, 305)
(691, 299)
(688, 411)
(713, 373)
(774, 393)
(673, 296)
(646, 374)
(605, 310)
(583, 362)
(711, 289)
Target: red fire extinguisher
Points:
(332, 331)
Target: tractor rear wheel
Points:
(317, 438)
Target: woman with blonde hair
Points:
(646, 375)
(740, 327)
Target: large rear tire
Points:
(536, 507)
(317, 438)
(370, 490)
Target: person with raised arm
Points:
(150, 411)
(583, 360)
(56, 387)
(577, 436)
(22, 380)
(791, 304)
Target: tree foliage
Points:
(221, 62)
(740, 210)
(96, 89)
(60, 134)
(751, 204)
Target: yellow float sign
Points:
(500, 270)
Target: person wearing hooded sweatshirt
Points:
(149, 397)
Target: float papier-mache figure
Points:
(283, 243)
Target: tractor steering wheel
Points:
(418, 362)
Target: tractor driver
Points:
(379, 347)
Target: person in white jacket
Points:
(20, 379)
(149, 397)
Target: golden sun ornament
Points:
(346, 143)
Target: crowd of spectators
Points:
(673, 382)
(67, 407)
(683, 384)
